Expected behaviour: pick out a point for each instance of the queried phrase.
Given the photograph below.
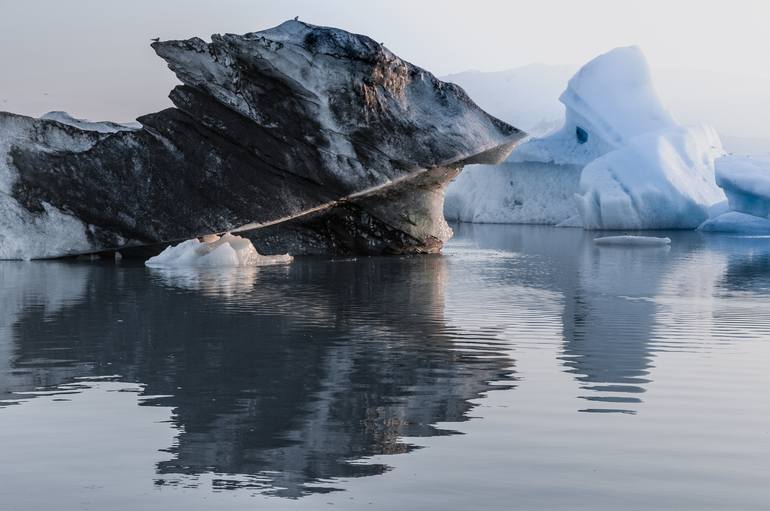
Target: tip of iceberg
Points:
(614, 97)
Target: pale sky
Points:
(92, 57)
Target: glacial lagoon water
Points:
(525, 368)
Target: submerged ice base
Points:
(227, 250)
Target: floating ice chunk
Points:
(734, 222)
(659, 180)
(639, 241)
(227, 250)
(746, 182)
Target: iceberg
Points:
(227, 250)
(611, 100)
(304, 139)
(638, 168)
(746, 182)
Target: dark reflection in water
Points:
(287, 371)
(279, 378)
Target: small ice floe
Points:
(227, 250)
(636, 241)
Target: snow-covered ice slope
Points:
(640, 168)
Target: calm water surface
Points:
(524, 368)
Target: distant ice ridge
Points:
(637, 167)
(746, 182)
(227, 250)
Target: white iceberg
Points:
(639, 241)
(639, 169)
(612, 99)
(746, 182)
(227, 250)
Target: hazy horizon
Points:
(92, 58)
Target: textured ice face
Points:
(514, 193)
(659, 180)
(367, 101)
(46, 231)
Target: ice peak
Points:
(614, 96)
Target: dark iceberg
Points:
(305, 139)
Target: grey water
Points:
(524, 368)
